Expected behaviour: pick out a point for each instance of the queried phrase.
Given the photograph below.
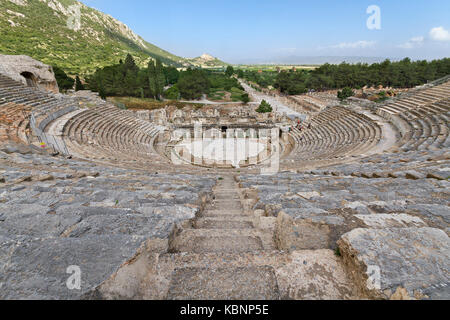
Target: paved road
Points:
(277, 105)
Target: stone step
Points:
(217, 240)
(223, 244)
(227, 196)
(239, 283)
(236, 222)
(226, 204)
(299, 275)
(222, 213)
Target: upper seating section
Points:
(336, 132)
(44, 105)
(104, 132)
(422, 119)
(108, 133)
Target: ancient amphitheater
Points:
(355, 206)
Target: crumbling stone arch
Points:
(30, 78)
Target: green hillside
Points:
(39, 28)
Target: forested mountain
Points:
(49, 31)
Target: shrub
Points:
(64, 81)
(172, 93)
(345, 93)
(245, 98)
(264, 107)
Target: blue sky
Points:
(265, 30)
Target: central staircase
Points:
(223, 229)
(227, 252)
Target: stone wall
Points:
(20, 68)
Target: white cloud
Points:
(413, 43)
(286, 50)
(354, 45)
(440, 34)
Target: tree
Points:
(193, 83)
(172, 93)
(152, 78)
(245, 98)
(130, 64)
(160, 78)
(264, 107)
(64, 81)
(156, 78)
(230, 71)
(78, 85)
(172, 75)
(102, 93)
(345, 93)
(240, 74)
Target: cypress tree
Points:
(152, 79)
(160, 78)
(78, 85)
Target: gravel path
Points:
(273, 101)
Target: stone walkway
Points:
(273, 101)
(227, 253)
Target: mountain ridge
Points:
(79, 46)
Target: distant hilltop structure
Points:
(207, 57)
(207, 61)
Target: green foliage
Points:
(78, 85)
(44, 36)
(245, 98)
(64, 81)
(291, 82)
(337, 252)
(127, 79)
(264, 79)
(172, 75)
(240, 74)
(230, 71)
(264, 107)
(119, 80)
(401, 74)
(193, 83)
(102, 93)
(345, 93)
(173, 93)
(156, 78)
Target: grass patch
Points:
(337, 252)
(148, 104)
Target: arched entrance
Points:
(30, 78)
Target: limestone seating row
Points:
(395, 224)
(14, 122)
(114, 132)
(334, 133)
(420, 99)
(43, 104)
(104, 214)
(421, 119)
(422, 128)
